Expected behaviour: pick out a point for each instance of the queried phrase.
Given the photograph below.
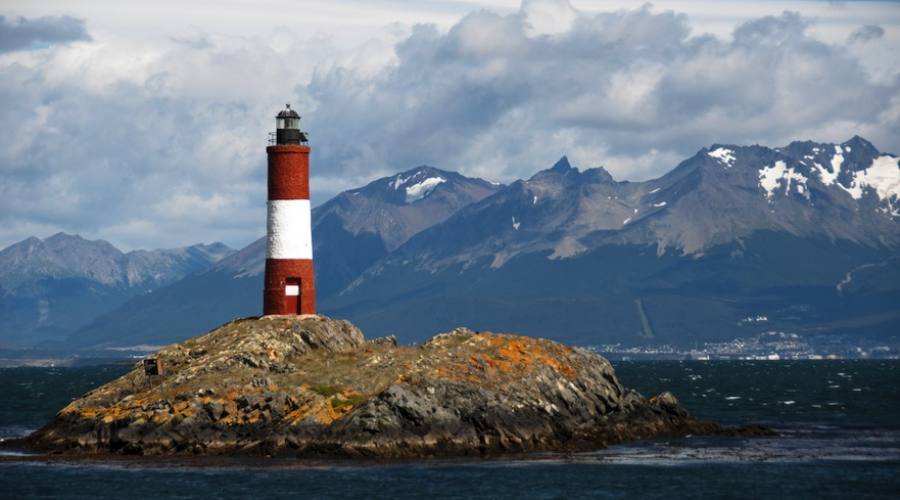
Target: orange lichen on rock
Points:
(322, 411)
(452, 371)
(525, 354)
(493, 341)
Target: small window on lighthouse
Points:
(292, 290)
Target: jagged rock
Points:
(312, 386)
(390, 340)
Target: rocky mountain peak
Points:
(415, 185)
(854, 169)
(62, 238)
(562, 171)
(248, 261)
(22, 249)
(562, 165)
(215, 250)
(597, 175)
(727, 156)
(861, 145)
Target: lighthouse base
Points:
(289, 287)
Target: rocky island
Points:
(312, 386)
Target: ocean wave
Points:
(791, 446)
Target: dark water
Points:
(839, 423)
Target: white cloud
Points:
(548, 17)
(630, 85)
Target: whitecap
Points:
(16, 453)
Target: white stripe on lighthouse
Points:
(289, 230)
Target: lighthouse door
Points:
(292, 296)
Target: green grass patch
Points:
(353, 400)
(326, 390)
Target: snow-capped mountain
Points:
(690, 251)
(358, 227)
(51, 287)
(721, 194)
(350, 232)
(806, 236)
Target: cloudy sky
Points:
(146, 124)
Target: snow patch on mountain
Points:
(829, 177)
(836, 162)
(422, 189)
(724, 155)
(399, 181)
(825, 176)
(778, 175)
(883, 176)
(515, 224)
(660, 204)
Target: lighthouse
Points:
(289, 284)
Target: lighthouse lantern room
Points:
(287, 127)
(289, 282)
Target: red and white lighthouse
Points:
(289, 285)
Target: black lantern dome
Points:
(287, 127)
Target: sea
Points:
(838, 425)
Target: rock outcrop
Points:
(313, 386)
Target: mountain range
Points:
(50, 288)
(803, 236)
(734, 240)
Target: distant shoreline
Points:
(64, 362)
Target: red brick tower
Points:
(290, 285)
